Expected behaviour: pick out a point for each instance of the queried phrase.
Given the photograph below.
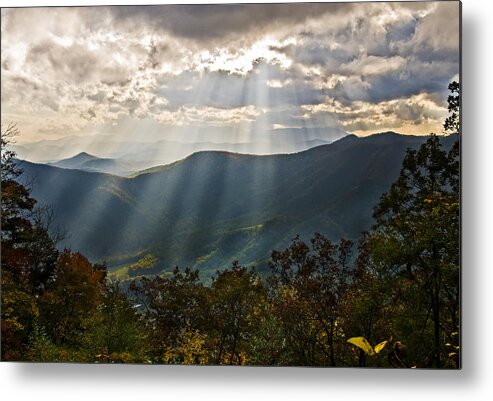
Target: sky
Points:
(263, 73)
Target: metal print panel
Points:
(261, 184)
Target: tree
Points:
(452, 122)
(173, 306)
(16, 209)
(190, 349)
(71, 300)
(28, 250)
(367, 305)
(309, 287)
(236, 303)
(117, 332)
(28, 253)
(416, 236)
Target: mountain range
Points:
(215, 206)
(122, 157)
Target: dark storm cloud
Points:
(213, 21)
(385, 87)
(413, 78)
(415, 53)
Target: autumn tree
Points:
(70, 302)
(28, 252)
(173, 306)
(310, 284)
(237, 296)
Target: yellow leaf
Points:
(362, 343)
(380, 346)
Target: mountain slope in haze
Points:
(213, 207)
(142, 155)
(86, 162)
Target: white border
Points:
(90, 382)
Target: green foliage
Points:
(117, 333)
(28, 254)
(414, 246)
(237, 300)
(268, 345)
(41, 348)
(169, 305)
(416, 238)
(452, 122)
(309, 290)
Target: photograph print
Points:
(232, 184)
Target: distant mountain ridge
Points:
(81, 157)
(86, 162)
(143, 155)
(213, 207)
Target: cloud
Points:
(202, 23)
(366, 117)
(438, 31)
(263, 68)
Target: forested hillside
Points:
(213, 207)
